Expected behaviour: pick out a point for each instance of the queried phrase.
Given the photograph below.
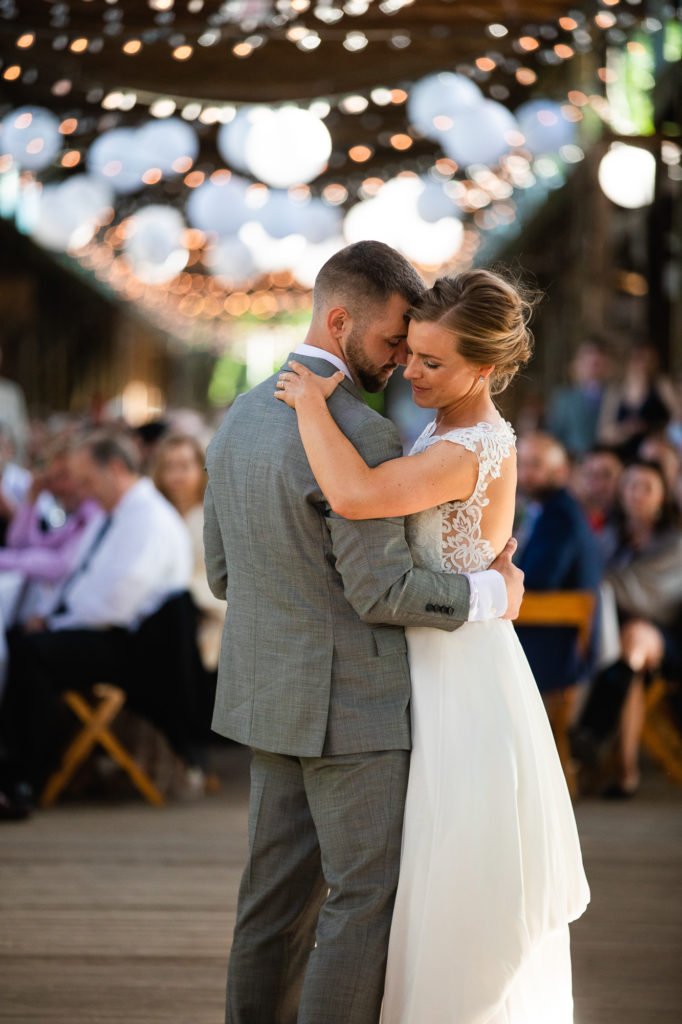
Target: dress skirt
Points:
(491, 870)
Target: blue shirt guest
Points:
(557, 551)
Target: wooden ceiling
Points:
(442, 34)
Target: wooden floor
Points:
(121, 913)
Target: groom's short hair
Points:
(366, 273)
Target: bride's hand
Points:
(298, 383)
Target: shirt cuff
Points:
(487, 595)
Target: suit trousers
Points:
(317, 894)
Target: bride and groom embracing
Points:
(413, 854)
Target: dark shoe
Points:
(617, 791)
(13, 809)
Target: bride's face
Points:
(439, 375)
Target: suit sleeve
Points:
(372, 556)
(214, 549)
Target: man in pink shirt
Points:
(49, 530)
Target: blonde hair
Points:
(489, 316)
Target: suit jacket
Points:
(313, 658)
(559, 554)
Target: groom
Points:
(314, 674)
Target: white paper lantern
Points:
(544, 126)
(314, 257)
(393, 217)
(627, 176)
(319, 222)
(280, 215)
(86, 195)
(118, 157)
(68, 214)
(288, 147)
(154, 245)
(31, 137)
(219, 207)
(434, 203)
(230, 260)
(271, 254)
(480, 135)
(232, 137)
(440, 96)
(167, 141)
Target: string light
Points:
(484, 200)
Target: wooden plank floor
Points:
(121, 913)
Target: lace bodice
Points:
(449, 538)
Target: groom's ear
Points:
(339, 323)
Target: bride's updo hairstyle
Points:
(489, 317)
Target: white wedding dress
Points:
(491, 871)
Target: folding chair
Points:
(661, 737)
(561, 608)
(97, 717)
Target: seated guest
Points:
(179, 475)
(645, 575)
(657, 448)
(48, 531)
(596, 487)
(556, 552)
(139, 557)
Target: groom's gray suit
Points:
(314, 677)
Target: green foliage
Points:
(229, 380)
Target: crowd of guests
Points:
(102, 569)
(102, 580)
(600, 492)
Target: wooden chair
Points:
(561, 608)
(97, 717)
(660, 736)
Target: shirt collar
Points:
(321, 353)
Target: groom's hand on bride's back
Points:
(513, 579)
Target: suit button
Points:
(430, 608)
(451, 611)
(443, 609)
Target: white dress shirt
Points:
(487, 589)
(141, 560)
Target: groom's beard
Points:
(368, 375)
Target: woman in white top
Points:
(179, 475)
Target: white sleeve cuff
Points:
(487, 596)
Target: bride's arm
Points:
(399, 487)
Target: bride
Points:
(491, 872)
